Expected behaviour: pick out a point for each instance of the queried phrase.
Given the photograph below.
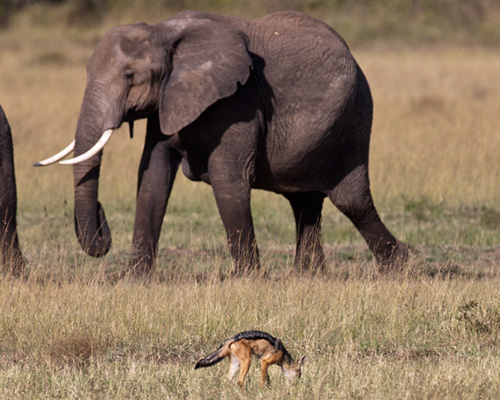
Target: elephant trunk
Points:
(91, 227)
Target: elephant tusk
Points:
(51, 160)
(92, 152)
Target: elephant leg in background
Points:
(307, 212)
(157, 172)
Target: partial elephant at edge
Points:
(12, 258)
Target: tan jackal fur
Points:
(240, 349)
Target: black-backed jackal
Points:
(240, 348)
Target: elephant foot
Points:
(246, 259)
(140, 267)
(310, 262)
(13, 261)
(243, 269)
(14, 267)
(244, 266)
(140, 271)
(393, 257)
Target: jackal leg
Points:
(234, 364)
(245, 366)
(265, 363)
(264, 376)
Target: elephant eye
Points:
(129, 75)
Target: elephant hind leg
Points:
(351, 189)
(234, 209)
(307, 212)
(353, 198)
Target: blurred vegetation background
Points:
(464, 21)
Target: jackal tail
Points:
(215, 357)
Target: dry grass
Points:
(365, 337)
(75, 327)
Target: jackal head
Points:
(292, 370)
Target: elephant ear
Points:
(209, 58)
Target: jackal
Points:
(240, 348)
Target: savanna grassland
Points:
(78, 327)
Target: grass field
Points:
(75, 327)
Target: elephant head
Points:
(173, 71)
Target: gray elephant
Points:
(276, 103)
(9, 242)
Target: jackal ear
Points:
(302, 359)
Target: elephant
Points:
(12, 257)
(276, 103)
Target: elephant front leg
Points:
(157, 172)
